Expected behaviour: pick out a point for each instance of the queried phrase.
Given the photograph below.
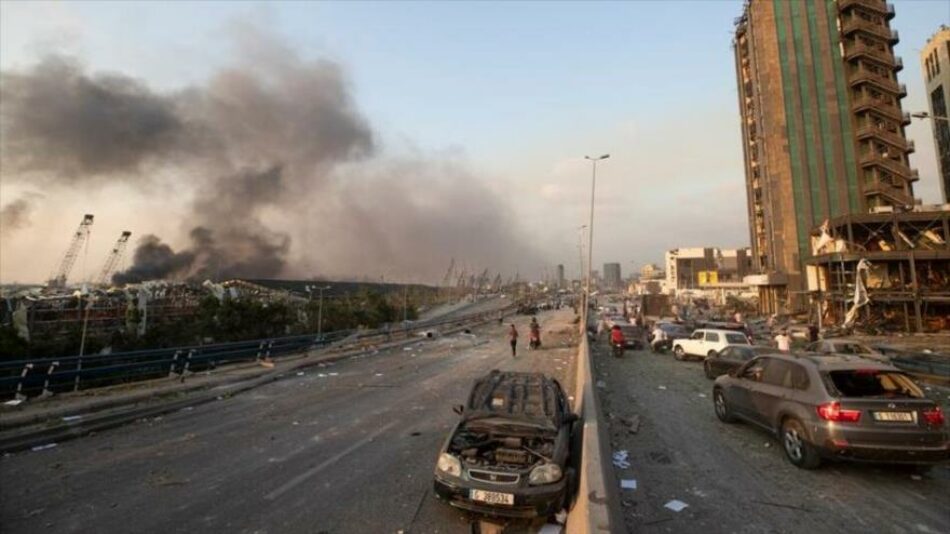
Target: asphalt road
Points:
(349, 447)
(735, 478)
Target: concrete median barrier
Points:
(596, 506)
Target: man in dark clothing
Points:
(513, 339)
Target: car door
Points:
(768, 395)
(739, 391)
(732, 357)
(719, 364)
(711, 341)
(695, 342)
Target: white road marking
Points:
(327, 463)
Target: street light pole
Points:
(320, 312)
(590, 228)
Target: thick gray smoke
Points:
(15, 216)
(275, 154)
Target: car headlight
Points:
(544, 474)
(449, 465)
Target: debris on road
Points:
(633, 422)
(676, 505)
(300, 373)
(14, 402)
(620, 459)
(629, 483)
(661, 387)
(703, 395)
(43, 447)
(601, 384)
(70, 418)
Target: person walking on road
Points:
(513, 339)
(535, 340)
(783, 341)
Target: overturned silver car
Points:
(508, 455)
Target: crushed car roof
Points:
(523, 396)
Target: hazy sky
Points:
(513, 93)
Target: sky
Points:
(514, 94)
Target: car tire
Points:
(679, 353)
(708, 370)
(722, 408)
(797, 449)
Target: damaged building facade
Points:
(822, 128)
(890, 270)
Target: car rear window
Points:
(874, 383)
(736, 339)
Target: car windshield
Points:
(874, 383)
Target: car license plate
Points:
(492, 497)
(902, 417)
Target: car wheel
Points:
(798, 450)
(679, 353)
(708, 370)
(722, 409)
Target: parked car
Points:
(732, 357)
(846, 346)
(835, 407)
(508, 455)
(704, 343)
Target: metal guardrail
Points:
(45, 376)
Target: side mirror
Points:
(458, 408)
(570, 418)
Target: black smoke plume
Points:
(15, 216)
(280, 171)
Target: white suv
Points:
(704, 343)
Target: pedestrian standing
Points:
(513, 339)
(783, 341)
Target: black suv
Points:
(835, 407)
(508, 454)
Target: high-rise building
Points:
(612, 278)
(822, 124)
(935, 64)
(561, 284)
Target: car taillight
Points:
(933, 416)
(831, 411)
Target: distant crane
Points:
(115, 256)
(79, 238)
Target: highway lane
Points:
(348, 447)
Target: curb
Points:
(105, 419)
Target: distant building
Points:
(650, 272)
(706, 268)
(612, 277)
(935, 64)
(822, 126)
(561, 283)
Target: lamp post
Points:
(310, 290)
(590, 228)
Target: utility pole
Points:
(310, 290)
(590, 228)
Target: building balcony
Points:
(880, 7)
(892, 195)
(892, 166)
(883, 83)
(894, 139)
(884, 107)
(857, 24)
(860, 50)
